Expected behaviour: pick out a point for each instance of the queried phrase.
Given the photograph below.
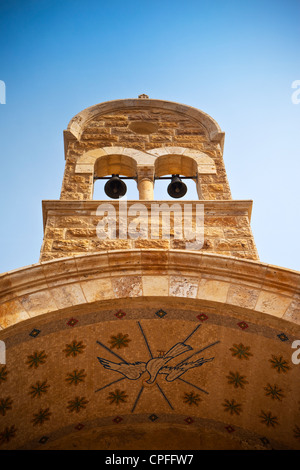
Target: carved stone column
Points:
(145, 182)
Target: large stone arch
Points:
(79, 122)
(150, 300)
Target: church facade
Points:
(148, 324)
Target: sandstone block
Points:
(130, 286)
(237, 232)
(38, 303)
(54, 233)
(242, 296)
(94, 131)
(226, 221)
(81, 233)
(99, 245)
(178, 244)
(213, 290)
(70, 245)
(71, 221)
(113, 117)
(47, 245)
(12, 312)
(182, 139)
(213, 232)
(189, 131)
(215, 187)
(116, 123)
(231, 244)
(141, 243)
(292, 313)
(183, 286)
(155, 285)
(273, 304)
(160, 138)
(99, 289)
(67, 296)
(169, 124)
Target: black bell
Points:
(115, 187)
(177, 188)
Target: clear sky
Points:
(235, 60)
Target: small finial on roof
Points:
(144, 97)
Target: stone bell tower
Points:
(148, 338)
(144, 139)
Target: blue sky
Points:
(234, 60)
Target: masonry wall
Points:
(167, 129)
(71, 229)
(70, 223)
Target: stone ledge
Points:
(215, 207)
(50, 286)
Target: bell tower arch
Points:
(144, 139)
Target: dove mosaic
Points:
(136, 371)
(158, 365)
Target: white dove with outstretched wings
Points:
(132, 371)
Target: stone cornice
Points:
(262, 274)
(275, 290)
(65, 207)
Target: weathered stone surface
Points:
(99, 289)
(80, 233)
(227, 221)
(12, 312)
(155, 285)
(54, 233)
(223, 232)
(231, 244)
(47, 245)
(71, 221)
(130, 286)
(210, 289)
(213, 232)
(97, 245)
(70, 245)
(292, 313)
(215, 187)
(273, 304)
(242, 296)
(67, 296)
(237, 232)
(183, 286)
(178, 244)
(140, 243)
(38, 303)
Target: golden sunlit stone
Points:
(148, 342)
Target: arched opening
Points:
(121, 165)
(168, 165)
(115, 164)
